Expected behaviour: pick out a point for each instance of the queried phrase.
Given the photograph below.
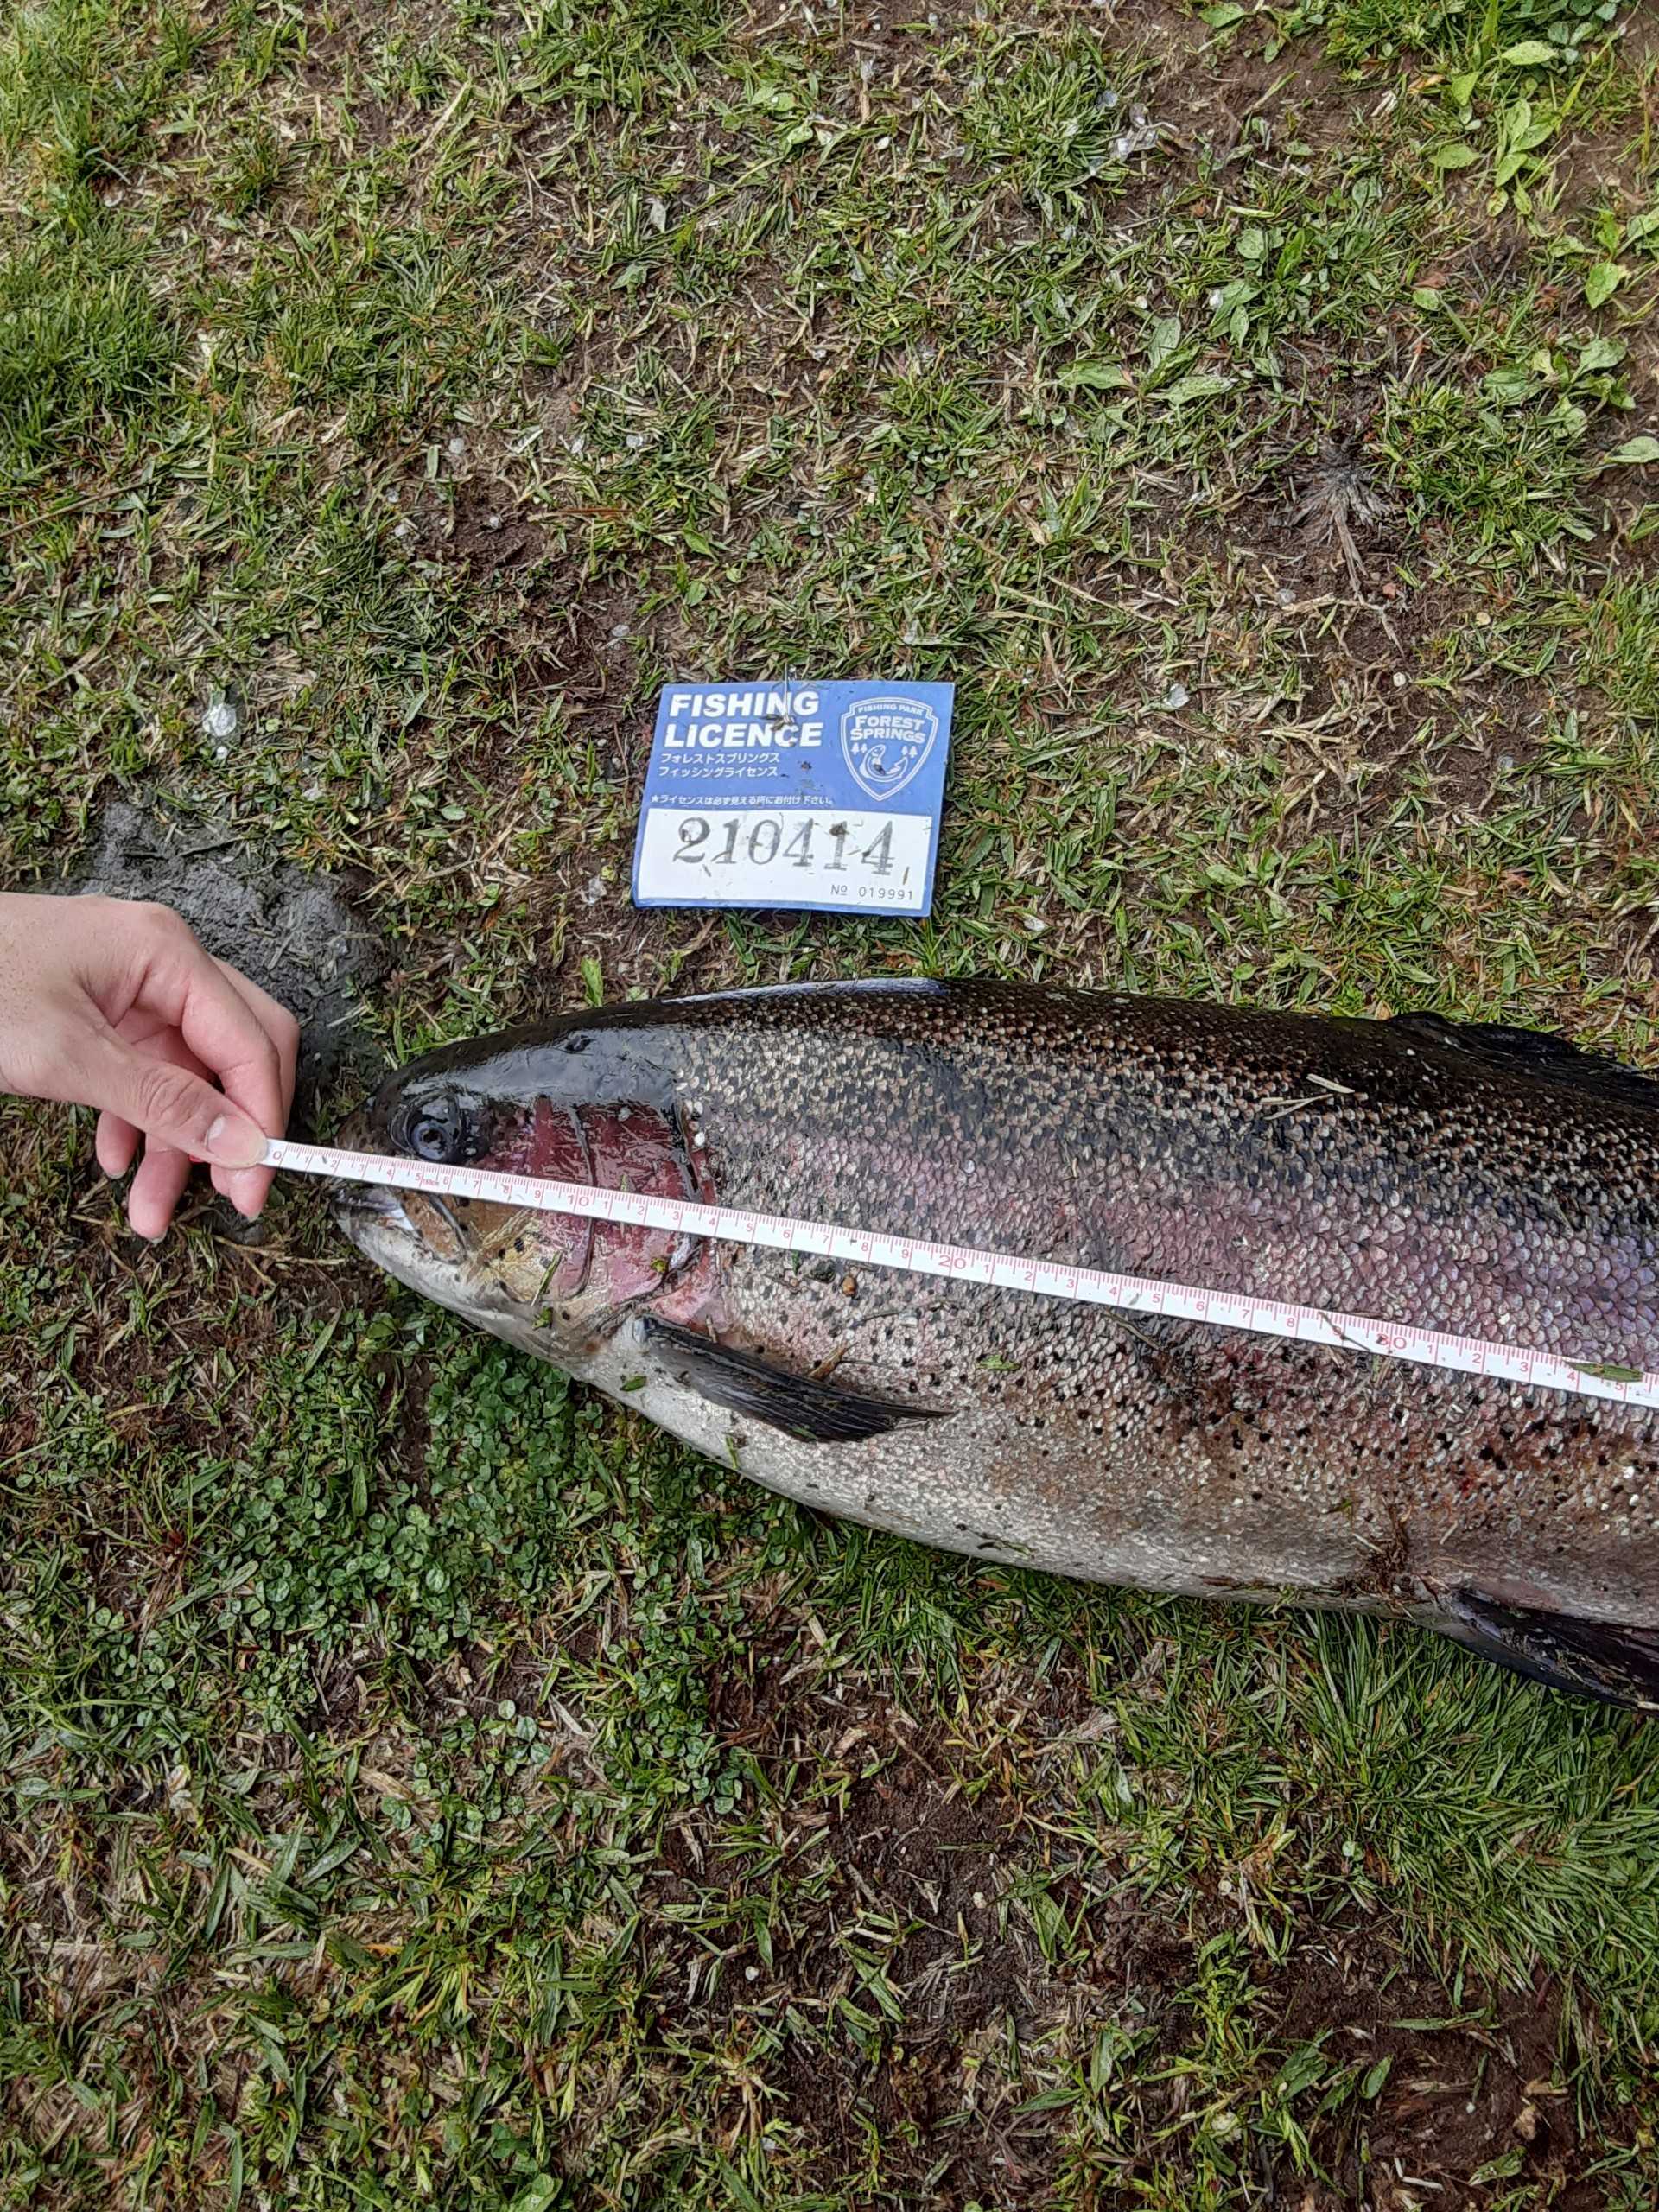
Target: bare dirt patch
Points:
(295, 933)
(913, 1873)
(1473, 2101)
(480, 526)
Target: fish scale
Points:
(1110, 1262)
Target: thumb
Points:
(173, 1107)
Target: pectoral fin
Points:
(1598, 1659)
(811, 1411)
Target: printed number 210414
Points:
(780, 857)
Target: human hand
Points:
(112, 1004)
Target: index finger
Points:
(279, 1023)
(247, 1188)
(183, 981)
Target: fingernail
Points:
(235, 1142)
(247, 1192)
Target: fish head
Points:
(558, 1282)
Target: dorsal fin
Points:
(1540, 1052)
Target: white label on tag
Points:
(783, 857)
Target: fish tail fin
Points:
(1598, 1659)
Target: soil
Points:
(1457, 2099)
(480, 526)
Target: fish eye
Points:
(438, 1132)
(429, 1137)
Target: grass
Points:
(421, 1786)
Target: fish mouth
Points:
(378, 1220)
(365, 1203)
(371, 1216)
(354, 1204)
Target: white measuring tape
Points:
(1222, 1309)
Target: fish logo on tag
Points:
(885, 742)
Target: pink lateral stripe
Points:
(1221, 1309)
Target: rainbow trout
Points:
(1488, 1181)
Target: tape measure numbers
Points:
(1221, 1309)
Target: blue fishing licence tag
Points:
(820, 796)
